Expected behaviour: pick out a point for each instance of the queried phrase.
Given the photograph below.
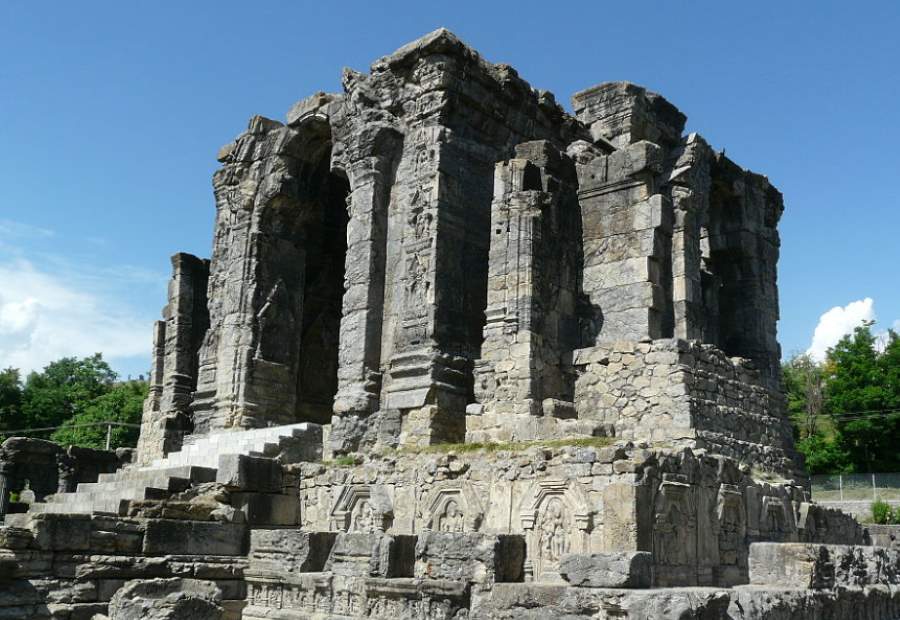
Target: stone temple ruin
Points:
(460, 354)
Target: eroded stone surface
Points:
(167, 599)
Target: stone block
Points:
(167, 599)
(165, 536)
(62, 532)
(267, 508)
(631, 569)
(275, 552)
(239, 471)
(12, 537)
(372, 555)
(804, 565)
(470, 557)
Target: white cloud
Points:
(882, 338)
(837, 323)
(21, 230)
(45, 316)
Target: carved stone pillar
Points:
(534, 263)
(186, 322)
(359, 372)
(176, 344)
(150, 443)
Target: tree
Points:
(862, 389)
(123, 403)
(63, 389)
(10, 399)
(804, 386)
(824, 455)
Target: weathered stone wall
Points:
(678, 240)
(697, 514)
(70, 566)
(534, 271)
(455, 116)
(682, 392)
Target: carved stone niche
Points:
(675, 532)
(557, 518)
(776, 518)
(732, 523)
(452, 506)
(362, 508)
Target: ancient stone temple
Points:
(458, 353)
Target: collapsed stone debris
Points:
(460, 354)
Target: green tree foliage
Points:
(71, 391)
(847, 410)
(63, 389)
(10, 398)
(804, 386)
(824, 455)
(122, 403)
(862, 388)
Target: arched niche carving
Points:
(452, 506)
(363, 509)
(731, 523)
(557, 518)
(776, 518)
(675, 524)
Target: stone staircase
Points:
(196, 463)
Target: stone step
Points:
(135, 493)
(269, 450)
(108, 506)
(196, 463)
(205, 451)
(169, 483)
(190, 472)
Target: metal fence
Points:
(49, 430)
(855, 487)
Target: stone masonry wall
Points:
(686, 393)
(696, 514)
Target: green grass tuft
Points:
(510, 446)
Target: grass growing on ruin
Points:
(342, 461)
(352, 460)
(510, 446)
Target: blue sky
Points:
(112, 113)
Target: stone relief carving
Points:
(275, 321)
(452, 506)
(674, 524)
(554, 539)
(319, 598)
(731, 523)
(557, 518)
(451, 519)
(775, 516)
(362, 508)
(362, 518)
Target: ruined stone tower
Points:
(458, 354)
(440, 253)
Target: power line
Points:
(67, 426)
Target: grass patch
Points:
(341, 461)
(510, 446)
